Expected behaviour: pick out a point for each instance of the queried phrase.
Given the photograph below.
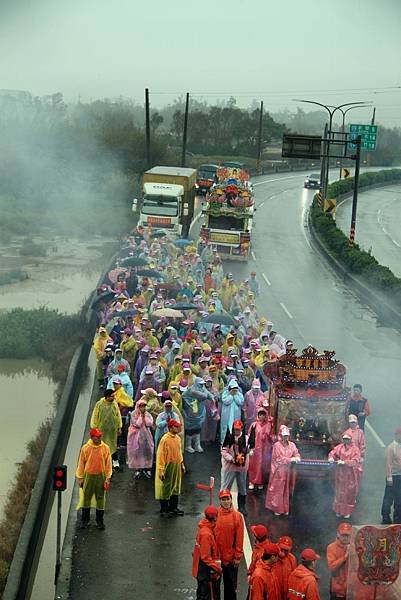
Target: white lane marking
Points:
(196, 219)
(261, 204)
(253, 255)
(375, 435)
(285, 309)
(277, 179)
(304, 226)
(265, 278)
(247, 546)
(380, 221)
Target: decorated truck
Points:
(228, 214)
(168, 199)
(309, 396)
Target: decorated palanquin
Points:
(233, 190)
(309, 396)
(374, 563)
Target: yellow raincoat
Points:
(169, 461)
(106, 417)
(94, 468)
(121, 397)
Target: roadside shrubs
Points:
(355, 260)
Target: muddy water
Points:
(63, 279)
(26, 401)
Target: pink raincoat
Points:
(259, 462)
(253, 400)
(347, 478)
(358, 439)
(210, 424)
(278, 490)
(140, 444)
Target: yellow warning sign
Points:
(346, 173)
(330, 206)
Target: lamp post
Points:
(344, 112)
(331, 110)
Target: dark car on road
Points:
(312, 181)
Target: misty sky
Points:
(255, 49)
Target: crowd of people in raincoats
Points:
(207, 367)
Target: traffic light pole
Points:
(355, 195)
(58, 540)
(185, 132)
(147, 128)
(323, 186)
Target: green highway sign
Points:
(368, 135)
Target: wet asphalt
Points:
(140, 555)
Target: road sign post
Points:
(355, 195)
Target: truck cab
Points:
(206, 177)
(161, 206)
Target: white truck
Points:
(168, 199)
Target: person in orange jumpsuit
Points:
(260, 532)
(229, 532)
(302, 583)
(337, 559)
(285, 565)
(206, 564)
(263, 583)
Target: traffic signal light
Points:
(60, 478)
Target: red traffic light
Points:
(60, 478)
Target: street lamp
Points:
(344, 112)
(325, 168)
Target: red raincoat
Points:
(278, 490)
(347, 478)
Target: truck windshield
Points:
(206, 174)
(160, 205)
(226, 222)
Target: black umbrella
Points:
(134, 261)
(185, 306)
(150, 273)
(128, 313)
(158, 234)
(105, 297)
(219, 318)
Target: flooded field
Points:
(63, 279)
(27, 400)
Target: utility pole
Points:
(323, 186)
(184, 135)
(373, 116)
(259, 146)
(147, 128)
(355, 195)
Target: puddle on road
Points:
(27, 400)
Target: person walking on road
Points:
(235, 462)
(206, 563)
(232, 401)
(260, 457)
(93, 472)
(229, 532)
(169, 470)
(140, 444)
(106, 417)
(278, 489)
(302, 583)
(337, 560)
(359, 406)
(392, 493)
(260, 533)
(285, 565)
(347, 456)
(263, 583)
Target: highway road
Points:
(378, 225)
(141, 556)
